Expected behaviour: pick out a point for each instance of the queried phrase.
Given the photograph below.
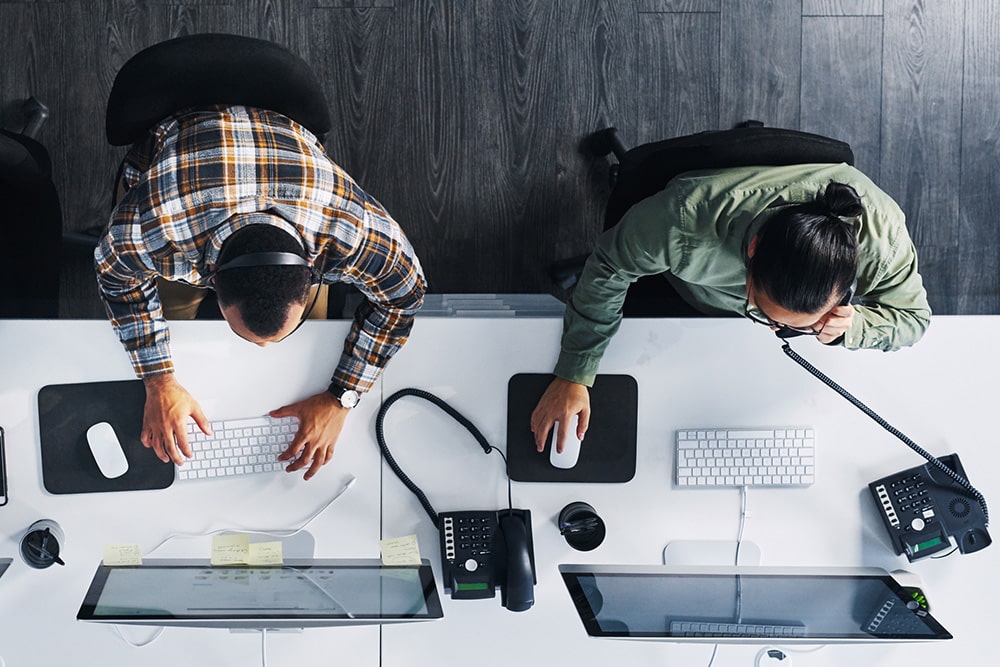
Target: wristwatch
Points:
(348, 398)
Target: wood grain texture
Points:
(978, 263)
(760, 62)
(921, 115)
(465, 118)
(839, 101)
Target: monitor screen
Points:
(297, 594)
(746, 604)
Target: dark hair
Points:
(807, 252)
(262, 294)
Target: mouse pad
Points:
(66, 411)
(607, 453)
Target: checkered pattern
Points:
(195, 172)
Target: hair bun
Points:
(842, 200)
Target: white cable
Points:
(156, 635)
(270, 533)
(263, 647)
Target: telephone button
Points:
(471, 565)
(917, 524)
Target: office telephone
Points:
(922, 507)
(924, 510)
(480, 550)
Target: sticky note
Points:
(122, 554)
(233, 549)
(265, 553)
(400, 551)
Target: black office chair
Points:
(31, 222)
(207, 69)
(645, 170)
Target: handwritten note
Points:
(400, 551)
(233, 549)
(122, 554)
(265, 553)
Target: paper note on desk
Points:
(400, 551)
(122, 554)
(233, 549)
(265, 553)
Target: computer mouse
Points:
(107, 451)
(571, 447)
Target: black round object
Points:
(581, 526)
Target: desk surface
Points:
(690, 373)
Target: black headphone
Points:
(267, 259)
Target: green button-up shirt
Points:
(695, 232)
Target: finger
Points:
(283, 411)
(583, 423)
(170, 448)
(304, 459)
(560, 436)
(541, 435)
(201, 420)
(318, 462)
(157, 445)
(294, 447)
(180, 437)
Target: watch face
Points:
(349, 398)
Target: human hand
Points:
(165, 416)
(321, 418)
(561, 401)
(836, 323)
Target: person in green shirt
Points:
(814, 249)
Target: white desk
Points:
(690, 372)
(694, 373)
(231, 378)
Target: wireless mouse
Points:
(107, 451)
(571, 447)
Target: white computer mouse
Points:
(571, 446)
(107, 451)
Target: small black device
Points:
(923, 509)
(480, 550)
(3, 471)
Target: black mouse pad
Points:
(607, 453)
(66, 411)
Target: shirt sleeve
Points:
(386, 270)
(128, 288)
(633, 248)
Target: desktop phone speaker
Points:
(926, 512)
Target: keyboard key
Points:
(710, 458)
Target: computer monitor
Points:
(747, 604)
(298, 594)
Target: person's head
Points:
(262, 304)
(804, 258)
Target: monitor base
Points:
(710, 552)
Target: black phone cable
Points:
(457, 416)
(960, 480)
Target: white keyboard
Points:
(784, 456)
(238, 447)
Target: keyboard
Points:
(238, 447)
(712, 629)
(784, 456)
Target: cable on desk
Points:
(270, 533)
(263, 647)
(457, 416)
(156, 635)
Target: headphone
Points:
(268, 259)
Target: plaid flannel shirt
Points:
(198, 169)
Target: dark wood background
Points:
(465, 117)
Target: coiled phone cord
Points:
(960, 480)
(457, 416)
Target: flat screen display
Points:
(746, 604)
(305, 593)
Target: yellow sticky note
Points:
(231, 549)
(122, 554)
(400, 551)
(265, 553)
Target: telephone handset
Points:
(480, 550)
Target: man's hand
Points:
(321, 418)
(836, 324)
(561, 401)
(165, 417)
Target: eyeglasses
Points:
(757, 315)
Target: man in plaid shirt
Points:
(213, 185)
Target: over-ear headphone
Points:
(267, 259)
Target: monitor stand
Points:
(710, 552)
